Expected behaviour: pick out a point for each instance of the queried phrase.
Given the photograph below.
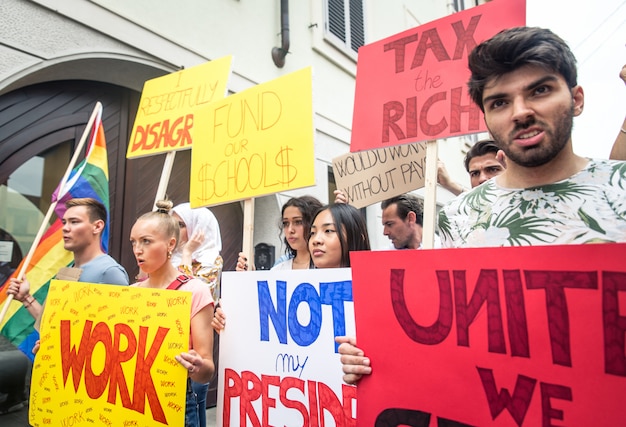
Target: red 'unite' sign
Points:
(412, 86)
(524, 336)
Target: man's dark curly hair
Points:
(481, 148)
(513, 48)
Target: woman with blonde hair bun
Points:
(154, 238)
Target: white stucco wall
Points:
(165, 35)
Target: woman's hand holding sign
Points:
(354, 362)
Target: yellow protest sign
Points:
(165, 118)
(256, 142)
(107, 356)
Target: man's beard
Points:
(538, 156)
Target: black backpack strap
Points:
(178, 282)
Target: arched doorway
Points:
(40, 126)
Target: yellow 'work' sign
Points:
(107, 356)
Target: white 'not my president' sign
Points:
(278, 358)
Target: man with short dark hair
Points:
(525, 81)
(483, 161)
(83, 223)
(403, 218)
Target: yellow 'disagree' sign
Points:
(165, 118)
(256, 142)
(107, 356)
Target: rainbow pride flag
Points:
(89, 179)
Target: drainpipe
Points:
(279, 53)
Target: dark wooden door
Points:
(38, 118)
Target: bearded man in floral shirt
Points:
(524, 79)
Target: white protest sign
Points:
(278, 358)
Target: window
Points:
(460, 5)
(345, 26)
(25, 197)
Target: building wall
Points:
(127, 42)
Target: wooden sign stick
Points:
(430, 196)
(165, 177)
(248, 231)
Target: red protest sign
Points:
(412, 86)
(523, 336)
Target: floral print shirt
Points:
(589, 207)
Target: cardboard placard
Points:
(71, 274)
(278, 360)
(371, 176)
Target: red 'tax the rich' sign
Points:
(412, 86)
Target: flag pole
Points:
(44, 224)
